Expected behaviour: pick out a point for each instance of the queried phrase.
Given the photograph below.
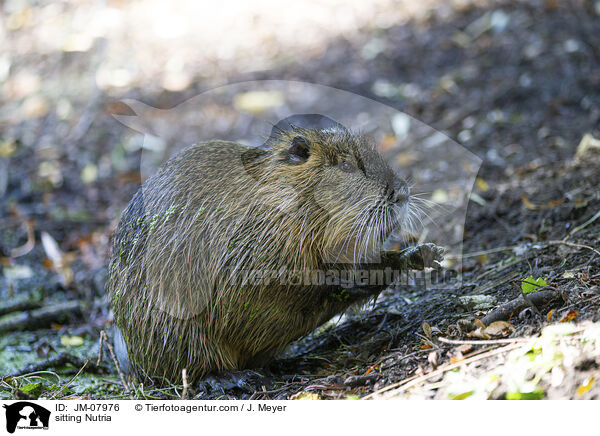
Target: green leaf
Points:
(532, 285)
(32, 389)
(71, 341)
(461, 396)
(537, 394)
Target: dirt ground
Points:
(515, 82)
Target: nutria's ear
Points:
(299, 149)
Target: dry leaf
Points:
(552, 204)
(482, 259)
(587, 143)
(482, 184)
(570, 316)
(464, 348)
(370, 369)
(499, 329)
(528, 204)
(457, 358)
(427, 330)
(432, 358)
(586, 386)
(60, 261)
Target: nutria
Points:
(205, 260)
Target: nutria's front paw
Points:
(418, 257)
(428, 256)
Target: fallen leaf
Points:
(552, 204)
(528, 204)
(464, 348)
(497, 329)
(479, 323)
(370, 369)
(388, 142)
(432, 358)
(457, 358)
(71, 341)
(586, 386)
(305, 396)
(536, 394)
(60, 261)
(461, 396)
(32, 389)
(482, 184)
(587, 143)
(427, 329)
(17, 272)
(7, 148)
(476, 198)
(570, 316)
(482, 259)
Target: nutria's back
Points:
(199, 274)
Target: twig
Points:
(19, 306)
(407, 383)
(114, 358)
(546, 243)
(100, 349)
(71, 381)
(42, 317)
(499, 269)
(585, 224)
(572, 244)
(504, 312)
(28, 246)
(498, 282)
(60, 360)
(483, 252)
(185, 383)
(483, 341)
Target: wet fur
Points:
(219, 209)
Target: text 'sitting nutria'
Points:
(208, 258)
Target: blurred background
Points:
(515, 82)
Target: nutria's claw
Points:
(430, 255)
(419, 257)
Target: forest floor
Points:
(515, 82)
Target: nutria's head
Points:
(347, 192)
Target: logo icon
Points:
(26, 415)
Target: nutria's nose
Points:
(399, 193)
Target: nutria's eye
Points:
(346, 166)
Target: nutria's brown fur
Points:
(218, 211)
